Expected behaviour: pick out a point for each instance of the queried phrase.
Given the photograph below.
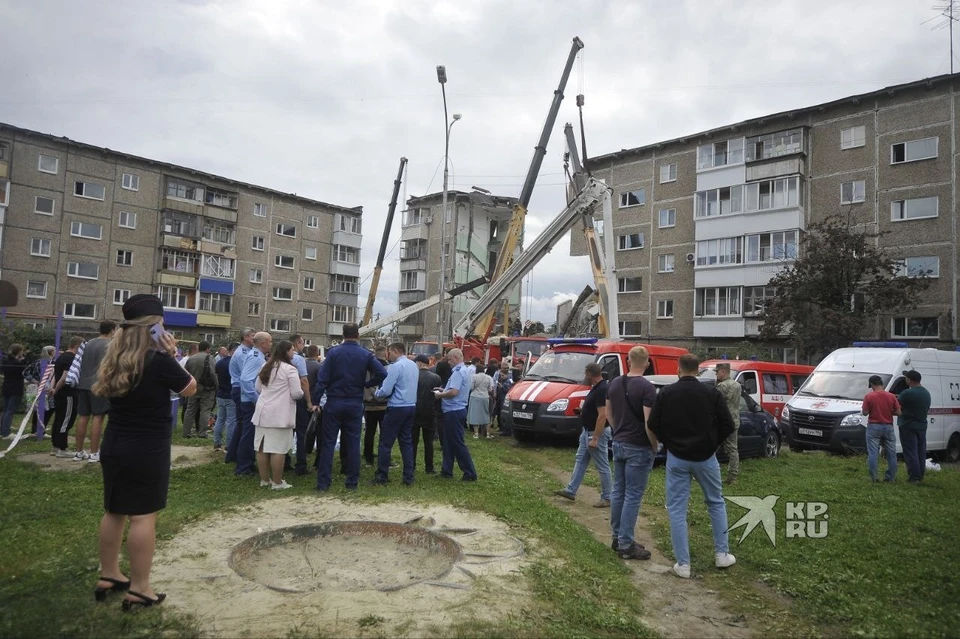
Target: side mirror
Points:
(757, 408)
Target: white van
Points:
(825, 413)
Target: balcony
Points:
(415, 232)
(410, 330)
(412, 297)
(346, 238)
(217, 320)
(774, 145)
(4, 169)
(178, 223)
(719, 327)
(181, 280)
(221, 199)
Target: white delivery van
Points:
(825, 413)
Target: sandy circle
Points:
(180, 457)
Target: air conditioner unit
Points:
(690, 258)
(428, 220)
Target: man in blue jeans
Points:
(453, 404)
(235, 368)
(692, 420)
(226, 408)
(630, 398)
(880, 407)
(245, 431)
(914, 408)
(594, 440)
(400, 389)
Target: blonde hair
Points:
(639, 356)
(122, 366)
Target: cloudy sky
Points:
(321, 98)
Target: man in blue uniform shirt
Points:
(235, 368)
(400, 389)
(262, 342)
(454, 406)
(343, 376)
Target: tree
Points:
(533, 328)
(32, 339)
(840, 281)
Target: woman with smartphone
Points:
(137, 375)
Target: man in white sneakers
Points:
(89, 404)
(692, 420)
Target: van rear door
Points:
(947, 404)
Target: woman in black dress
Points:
(137, 374)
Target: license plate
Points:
(521, 415)
(810, 431)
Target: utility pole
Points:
(442, 79)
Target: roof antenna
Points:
(951, 13)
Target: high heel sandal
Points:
(145, 601)
(100, 594)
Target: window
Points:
(720, 154)
(852, 192)
(313, 222)
(216, 302)
(668, 218)
(124, 258)
(664, 309)
(629, 329)
(772, 194)
(311, 253)
(211, 338)
(795, 380)
(344, 313)
(665, 263)
(120, 295)
(260, 209)
(287, 230)
(130, 182)
(44, 205)
(80, 311)
(415, 216)
(920, 267)
(83, 270)
(914, 209)
(633, 198)
(348, 223)
(223, 199)
(924, 149)
(280, 325)
(283, 261)
(774, 145)
(253, 308)
(257, 243)
(719, 201)
(256, 276)
(668, 173)
(413, 249)
(220, 233)
(48, 164)
(916, 327)
(630, 241)
(87, 230)
(184, 190)
(853, 137)
(346, 284)
(282, 293)
(174, 297)
(309, 283)
(775, 383)
(724, 251)
(629, 284)
(36, 290)
(306, 314)
(346, 254)
(723, 301)
(182, 224)
(767, 247)
(179, 261)
(127, 220)
(412, 280)
(39, 247)
(217, 266)
(755, 299)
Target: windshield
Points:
(708, 372)
(839, 385)
(534, 347)
(425, 348)
(568, 365)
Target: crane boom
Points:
(505, 258)
(378, 269)
(584, 204)
(403, 313)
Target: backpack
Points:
(206, 377)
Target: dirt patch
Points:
(674, 607)
(181, 457)
(348, 575)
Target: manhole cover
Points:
(344, 556)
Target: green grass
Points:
(48, 523)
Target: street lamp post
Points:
(448, 125)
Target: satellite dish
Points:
(8, 294)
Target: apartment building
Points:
(704, 222)
(82, 228)
(475, 223)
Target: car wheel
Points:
(771, 444)
(523, 436)
(953, 449)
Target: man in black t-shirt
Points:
(64, 397)
(629, 400)
(594, 439)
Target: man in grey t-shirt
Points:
(87, 403)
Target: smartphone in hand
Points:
(156, 331)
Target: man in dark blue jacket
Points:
(343, 376)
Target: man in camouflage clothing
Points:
(731, 391)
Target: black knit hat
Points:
(142, 305)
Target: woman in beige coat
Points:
(276, 414)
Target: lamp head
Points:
(456, 116)
(442, 74)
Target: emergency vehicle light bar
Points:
(559, 341)
(881, 345)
